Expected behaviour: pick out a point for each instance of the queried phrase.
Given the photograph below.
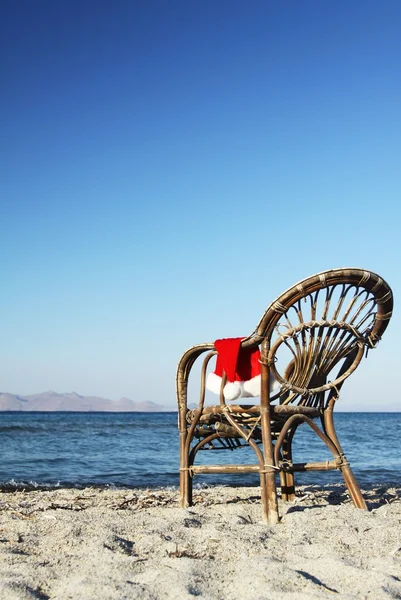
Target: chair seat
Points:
(287, 410)
(279, 411)
(213, 419)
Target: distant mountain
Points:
(53, 401)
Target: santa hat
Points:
(241, 366)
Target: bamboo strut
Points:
(318, 466)
(225, 469)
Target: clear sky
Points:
(169, 167)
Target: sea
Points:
(140, 450)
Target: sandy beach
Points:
(117, 544)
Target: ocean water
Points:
(141, 450)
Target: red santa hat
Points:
(242, 367)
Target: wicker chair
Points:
(311, 339)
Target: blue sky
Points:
(168, 168)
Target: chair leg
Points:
(268, 490)
(185, 489)
(185, 477)
(353, 487)
(287, 486)
(283, 485)
(288, 480)
(346, 471)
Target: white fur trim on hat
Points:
(251, 387)
(232, 390)
(213, 383)
(239, 389)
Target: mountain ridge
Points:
(52, 401)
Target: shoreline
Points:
(167, 410)
(108, 543)
(31, 487)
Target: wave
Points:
(23, 428)
(31, 486)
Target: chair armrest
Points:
(184, 368)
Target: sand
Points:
(117, 544)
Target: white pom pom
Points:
(252, 387)
(232, 390)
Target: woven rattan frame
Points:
(325, 324)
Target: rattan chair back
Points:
(315, 334)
